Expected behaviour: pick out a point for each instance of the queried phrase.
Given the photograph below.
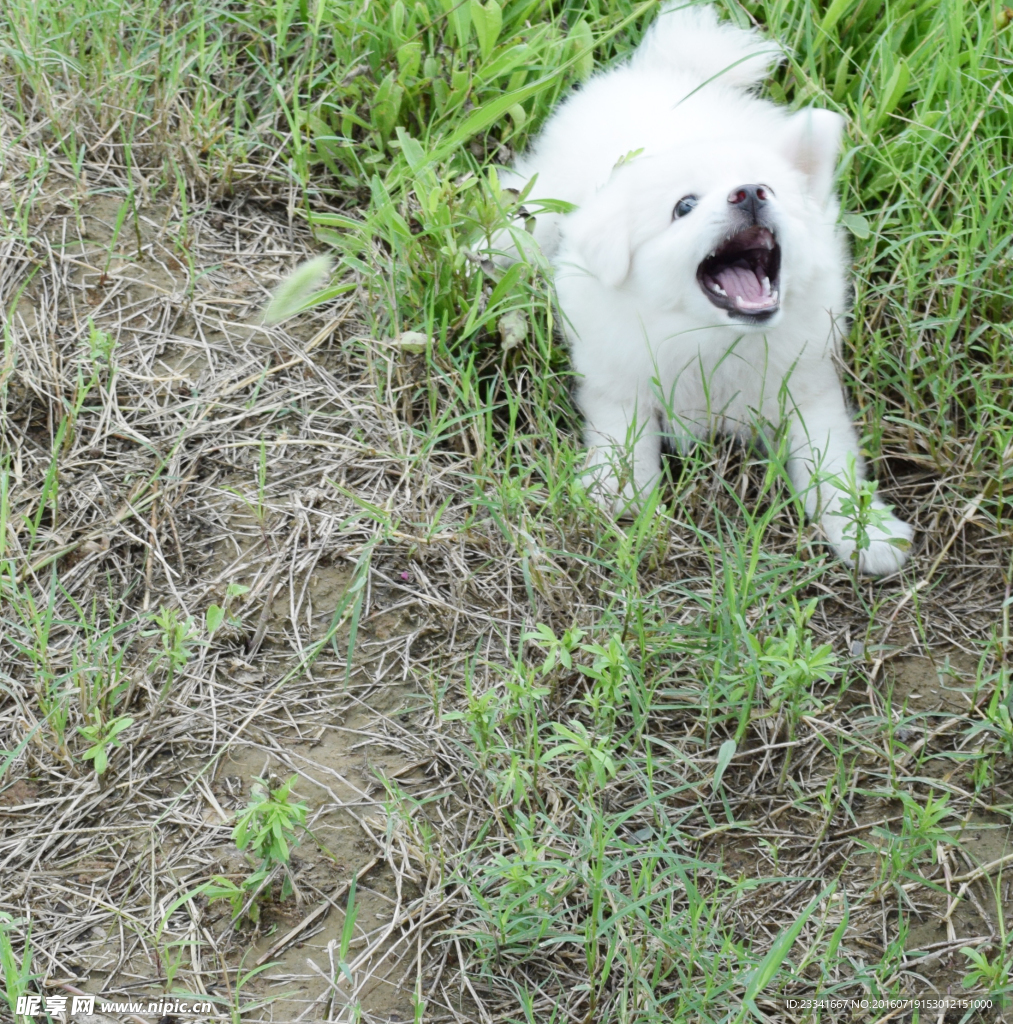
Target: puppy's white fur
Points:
(655, 354)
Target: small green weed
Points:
(217, 614)
(104, 736)
(101, 345)
(244, 897)
(859, 508)
(16, 975)
(177, 637)
(918, 840)
(268, 825)
(994, 974)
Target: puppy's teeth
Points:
(766, 286)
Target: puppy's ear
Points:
(811, 143)
(600, 232)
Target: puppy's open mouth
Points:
(742, 275)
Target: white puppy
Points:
(702, 279)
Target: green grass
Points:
(610, 738)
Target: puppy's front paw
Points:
(888, 547)
(617, 494)
(621, 502)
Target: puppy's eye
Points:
(683, 206)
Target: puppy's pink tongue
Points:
(744, 287)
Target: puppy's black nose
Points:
(750, 199)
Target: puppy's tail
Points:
(688, 37)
